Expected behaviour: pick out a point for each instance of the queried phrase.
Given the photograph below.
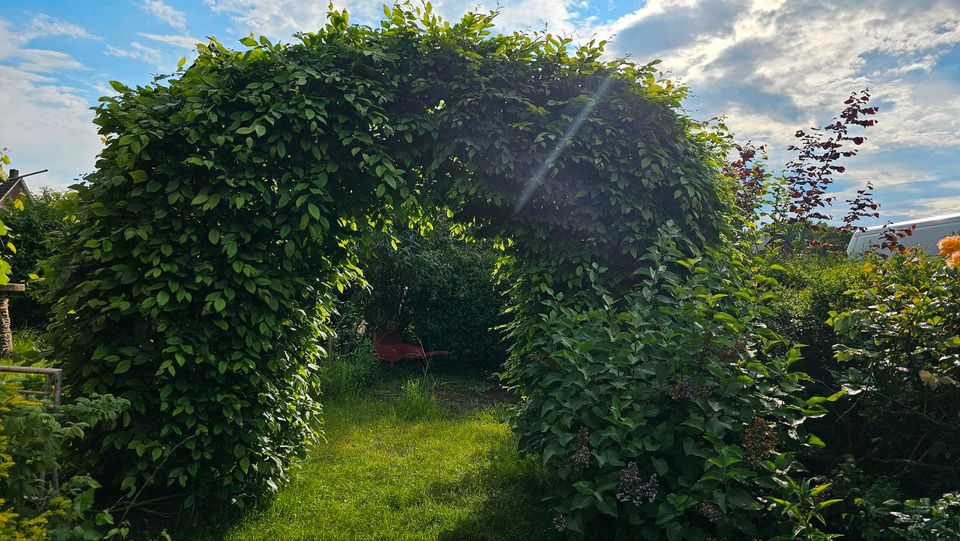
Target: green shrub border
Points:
(223, 204)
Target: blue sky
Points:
(769, 66)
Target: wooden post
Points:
(6, 329)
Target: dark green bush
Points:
(899, 359)
(878, 511)
(44, 216)
(662, 413)
(914, 520)
(811, 287)
(439, 291)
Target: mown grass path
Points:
(407, 467)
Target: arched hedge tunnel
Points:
(227, 205)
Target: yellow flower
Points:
(954, 260)
(949, 245)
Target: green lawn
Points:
(407, 466)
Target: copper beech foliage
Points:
(813, 171)
(799, 196)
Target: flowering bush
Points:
(900, 355)
(34, 442)
(662, 412)
(950, 248)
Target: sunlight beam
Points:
(537, 179)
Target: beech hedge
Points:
(227, 197)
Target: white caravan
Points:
(927, 233)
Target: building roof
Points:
(8, 185)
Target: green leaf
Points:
(122, 367)
(815, 441)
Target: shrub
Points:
(899, 354)
(911, 520)
(227, 197)
(661, 413)
(810, 288)
(892, 519)
(35, 442)
(441, 291)
(44, 215)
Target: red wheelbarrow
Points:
(389, 348)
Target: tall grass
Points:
(349, 373)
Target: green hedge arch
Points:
(224, 208)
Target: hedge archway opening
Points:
(231, 200)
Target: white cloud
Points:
(182, 42)
(952, 185)
(137, 51)
(924, 208)
(44, 25)
(280, 19)
(46, 124)
(165, 13)
(772, 67)
(43, 61)
(779, 63)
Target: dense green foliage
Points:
(899, 351)
(8, 247)
(663, 405)
(439, 291)
(42, 217)
(34, 445)
(227, 198)
(809, 288)
(912, 520)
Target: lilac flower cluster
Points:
(560, 522)
(633, 488)
(684, 389)
(739, 346)
(759, 440)
(709, 511)
(581, 459)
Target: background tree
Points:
(34, 223)
(793, 207)
(440, 291)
